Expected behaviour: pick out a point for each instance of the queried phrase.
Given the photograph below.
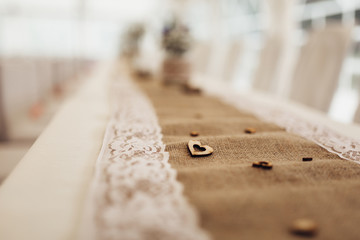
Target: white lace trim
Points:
(135, 194)
(345, 147)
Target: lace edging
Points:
(135, 194)
(345, 147)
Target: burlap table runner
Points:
(235, 200)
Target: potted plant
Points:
(176, 42)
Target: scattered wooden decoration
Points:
(198, 115)
(194, 133)
(189, 89)
(143, 74)
(263, 164)
(304, 227)
(197, 149)
(250, 130)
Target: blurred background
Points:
(307, 51)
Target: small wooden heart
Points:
(197, 149)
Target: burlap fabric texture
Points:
(237, 201)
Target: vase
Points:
(175, 71)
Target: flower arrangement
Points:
(176, 39)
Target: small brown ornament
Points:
(197, 149)
(189, 89)
(198, 115)
(263, 164)
(250, 130)
(304, 227)
(194, 133)
(143, 74)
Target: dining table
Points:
(129, 157)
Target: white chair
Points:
(199, 57)
(357, 115)
(44, 76)
(20, 86)
(269, 61)
(217, 63)
(317, 72)
(20, 91)
(3, 125)
(234, 53)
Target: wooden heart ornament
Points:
(197, 149)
